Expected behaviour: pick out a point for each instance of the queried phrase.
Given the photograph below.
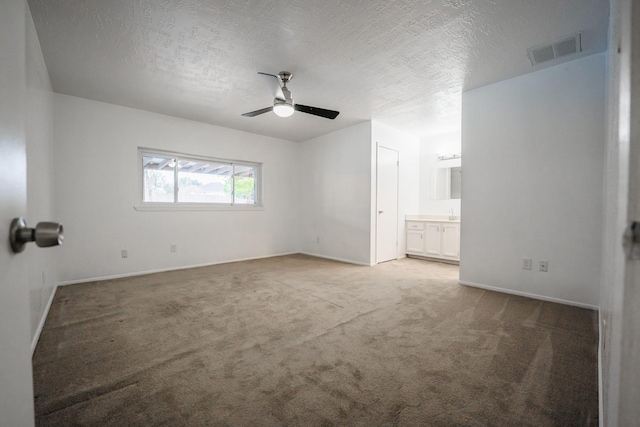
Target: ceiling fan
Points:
(283, 104)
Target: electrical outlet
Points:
(526, 263)
(174, 247)
(124, 253)
(544, 266)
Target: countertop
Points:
(431, 218)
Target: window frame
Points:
(176, 205)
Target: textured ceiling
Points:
(404, 63)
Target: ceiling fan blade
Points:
(258, 112)
(327, 114)
(274, 83)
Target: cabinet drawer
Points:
(415, 225)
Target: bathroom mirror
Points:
(446, 183)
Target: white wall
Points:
(408, 148)
(532, 184)
(40, 185)
(97, 178)
(430, 148)
(335, 195)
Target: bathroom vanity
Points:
(433, 237)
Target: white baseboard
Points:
(348, 261)
(162, 270)
(36, 336)
(526, 294)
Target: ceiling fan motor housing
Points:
(287, 95)
(278, 101)
(284, 107)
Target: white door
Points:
(450, 240)
(433, 243)
(387, 224)
(629, 120)
(16, 389)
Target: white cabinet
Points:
(434, 239)
(451, 241)
(415, 237)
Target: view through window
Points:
(171, 178)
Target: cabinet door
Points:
(451, 241)
(415, 242)
(432, 239)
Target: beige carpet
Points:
(300, 341)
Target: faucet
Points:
(451, 215)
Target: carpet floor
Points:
(302, 341)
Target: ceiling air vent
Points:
(557, 49)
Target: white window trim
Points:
(184, 206)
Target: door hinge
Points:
(631, 241)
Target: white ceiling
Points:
(404, 63)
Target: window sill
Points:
(186, 207)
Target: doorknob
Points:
(380, 212)
(45, 234)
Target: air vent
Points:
(557, 49)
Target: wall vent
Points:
(563, 47)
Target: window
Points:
(170, 179)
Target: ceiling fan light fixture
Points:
(282, 108)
